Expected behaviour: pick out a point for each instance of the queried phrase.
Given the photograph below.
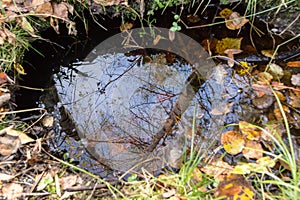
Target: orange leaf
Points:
(293, 63)
(253, 149)
(233, 142)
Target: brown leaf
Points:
(42, 7)
(126, 26)
(22, 136)
(68, 181)
(12, 191)
(216, 168)
(48, 121)
(296, 79)
(111, 2)
(235, 186)
(294, 99)
(156, 40)
(233, 142)
(60, 10)
(235, 21)
(253, 149)
(4, 78)
(9, 144)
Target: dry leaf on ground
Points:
(22, 136)
(12, 191)
(233, 142)
(9, 144)
(216, 168)
(275, 70)
(252, 150)
(296, 79)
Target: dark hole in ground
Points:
(41, 68)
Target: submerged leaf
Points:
(233, 142)
(228, 43)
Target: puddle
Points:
(112, 106)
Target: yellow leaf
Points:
(253, 149)
(228, 43)
(19, 68)
(249, 130)
(225, 12)
(233, 142)
(243, 69)
(27, 26)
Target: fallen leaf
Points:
(111, 2)
(156, 40)
(6, 177)
(4, 78)
(249, 130)
(233, 142)
(275, 70)
(234, 21)
(225, 13)
(263, 102)
(266, 161)
(68, 181)
(264, 77)
(296, 79)
(48, 121)
(42, 7)
(268, 53)
(9, 144)
(12, 191)
(60, 9)
(4, 98)
(293, 63)
(45, 180)
(235, 186)
(24, 139)
(252, 150)
(274, 129)
(126, 26)
(294, 100)
(19, 68)
(230, 53)
(193, 18)
(216, 168)
(228, 43)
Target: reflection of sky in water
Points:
(119, 104)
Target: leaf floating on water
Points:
(233, 142)
(275, 70)
(235, 186)
(249, 130)
(264, 77)
(269, 53)
(228, 43)
(126, 26)
(225, 13)
(235, 21)
(293, 63)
